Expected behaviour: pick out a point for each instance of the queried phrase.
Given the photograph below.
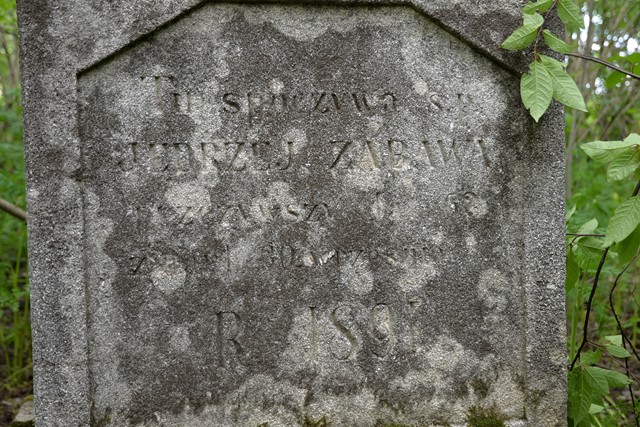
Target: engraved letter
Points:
(360, 103)
(413, 306)
(231, 102)
(346, 333)
(382, 323)
(386, 105)
(229, 328)
(398, 150)
(344, 149)
(282, 165)
(313, 334)
(483, 151)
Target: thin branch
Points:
(585, 328)
(540, 28)
(605, 63)
(586, 235)
(12, 209)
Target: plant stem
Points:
(585, 328)
(12, 209)
(605, 63)
(540, 29)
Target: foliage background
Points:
(15, 334)
(612, 32)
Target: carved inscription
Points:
(382, 323)
(257, 104)
(222, 157)
(171, 97)
(234, 215)
(211, 157)
(167, 95)
(377, 331)
(342, 319)
(289, 256)
(399, 155)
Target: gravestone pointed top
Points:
(255, 214)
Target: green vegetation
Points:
(603, 222)
(15, 332)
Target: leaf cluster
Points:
(589, 384)
(622, 159)
(547, 78)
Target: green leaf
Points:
(614, 346)
(570, 14)
(540, 5)
(623, 164)
(588, 227)
(615, 378)
(595, 409)
(633, 139)
(556, 43)
(573, 272)
(633, 58)
(565, 89)
(628, 247)
(605, 151)
(521, 38)
(570, 212)
(581, 394)
(598, 379)
(625, 219)
(613, 339)
(589, 247)
(617, 351)
(536, 89)
(588, 358)
(534, 19)
(549, 61)
(614, 78)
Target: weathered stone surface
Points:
(26, 416)
(252, 213)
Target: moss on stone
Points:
(479, 416)
(310, 422)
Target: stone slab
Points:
(248, 213)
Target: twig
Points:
(12, 209)
(585, 328)
(605, 63)
(535, 45)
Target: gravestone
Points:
(249, 214)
